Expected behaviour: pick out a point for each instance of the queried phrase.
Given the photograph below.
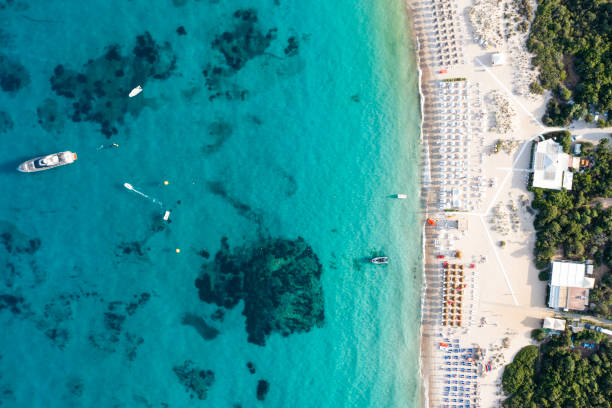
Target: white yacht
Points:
(47, 162)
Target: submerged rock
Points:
(195, 380)
(262, 389)
(245, 41)
(6, 123)
(13, 75)
(218, 315)
(206, 331)
(18, 266)
(49, 116)
(12, 303)
(114, 318)
(242, 43)
(279, 281)
(219, 131)
(98, 96)
(293, 46)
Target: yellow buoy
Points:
(178, 250)
(166, 182)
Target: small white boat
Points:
(380, 260)
(47, 162)
(135, 91)
(401, 196)
(166, 215)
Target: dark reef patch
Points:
(140, 300)
(245, 42)
(196, 381)
(217, 188)
(17, 263)
(13, 5)
(256, 120)
(181, 30)
(13, 303)
(262, 389)
(13, 75)
(114, 319)
(206, 331)
(242, 43)
(291, 185)
(132, 342)
(251, 367)
(219, 131)
(29, 246)
(293, 46)
(279, 281)
(6, 123)
(75, 387)
(100, 99)
(132, 248)
(49, 116)
(55, 313)
(58, 336)
(218, 315)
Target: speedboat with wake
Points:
(47, 162)
(380, 260)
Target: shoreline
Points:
(426, 169)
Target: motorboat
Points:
(135, 91)
(380, 260)
(401, 196)
(47, 162)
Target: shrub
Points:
(536, 88)
(564, 93)
(538, 334)
(544, 275)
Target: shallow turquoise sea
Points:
(300, 121)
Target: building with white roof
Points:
(551, 166)
(553, 324)
(498, 59)
(569, 287)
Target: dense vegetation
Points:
(561, 373)
(573, 221)
(601, 296)
(572, 43)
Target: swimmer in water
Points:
(107, 146)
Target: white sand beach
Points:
(494, 301)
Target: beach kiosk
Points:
(498, 59)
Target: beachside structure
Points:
(498, 59)
(569, 287)
(553, 324)
(551, 166)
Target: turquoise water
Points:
(306, 127)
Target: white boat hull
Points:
(47, 162)
(135, 91)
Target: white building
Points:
(569, 287)
(553, 324)
(498, 59)
(551, 166)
